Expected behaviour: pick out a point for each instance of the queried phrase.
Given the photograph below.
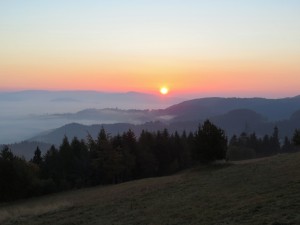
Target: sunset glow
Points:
(164, 90)
(232, 48)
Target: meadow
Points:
(264, 191)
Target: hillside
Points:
(272, 109)
(233, 122)
(262, 191)
(234, 115)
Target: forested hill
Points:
(272, 109)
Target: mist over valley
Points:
(44, 118)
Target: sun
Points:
(164, 90)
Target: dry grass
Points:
(31, 209)
(256, 192)
(88, 197)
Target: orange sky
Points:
(228, 49)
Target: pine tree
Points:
(275, 145)
(287, 145)
(37, 158)
(211, 142)
(296, 137)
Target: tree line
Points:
(247, 146)
(109, 160)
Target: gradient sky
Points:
(211, 47)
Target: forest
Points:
(124, 157)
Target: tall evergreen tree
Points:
(296, 137)
(275, 144)
(6, 154)
(211, 142)
(233, 141)
(37, 158)
(287, 145)
(147, 163)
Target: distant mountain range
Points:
(271, 109)
(88, 99)
(234, 115)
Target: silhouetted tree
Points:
(80, 167)
(296, 137)
(177, 152)
(253, 142)
(265, 146)
(233, 141)
(18, 178)
(128, 151)
(6, 154)
(287, 145)
(162, 151)
(147, 164)
(274, 141)
(186, 148)
(37, 158)
(211, 142)
(51, 167)
(243, 139)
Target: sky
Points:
(204, 48)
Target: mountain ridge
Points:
(234, 115)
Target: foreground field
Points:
(266, 191)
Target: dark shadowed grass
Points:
(254, 192)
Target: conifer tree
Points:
(296, 137)
(37, 158)
(211, 143)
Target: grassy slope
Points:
(257, 192)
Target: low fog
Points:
(25, 114)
